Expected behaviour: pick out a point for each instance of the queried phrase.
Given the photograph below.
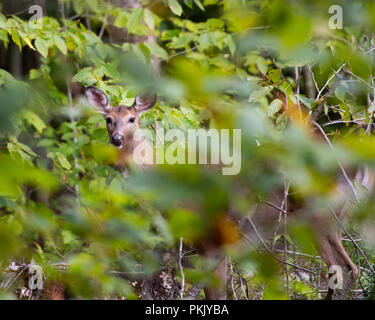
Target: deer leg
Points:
(327, 254)
(347, 264)
(219, 293)
(334, 254)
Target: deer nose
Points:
(117, 139)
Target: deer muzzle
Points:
(117, 140)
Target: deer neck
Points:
(126, 157)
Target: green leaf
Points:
(231, 45)
(135, 19)
(109, 70)
(305, 100)
(16, 152)
(262, 65)
(281, 121)
(205, 41)
(22, 146)
(35, 121)
(84, 139)
(274, 75)
(175, 7)
(260, 93)
(181, 41)
(42, 46)
(63, 161)
(60, 43)
(85, 76)
(5, 76)
(199, 4)
(149, 19)
(121, 20)
(189, 3)
(340, 93)
(147, 119)
(16, 38)
(156, 50)
(35, 74)
(2, 22)
(28, 42)
(103, 50)
(68, 236)
(79, 6)
(4, 37)
(274, 107)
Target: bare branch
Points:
(105, 19)
(274, 206)
(328, 82)
(269, 250)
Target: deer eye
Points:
(132, 119)
(109, 121)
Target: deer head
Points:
(122, 121)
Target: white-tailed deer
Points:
(122, 123)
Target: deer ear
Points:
(144, 102)
(97, 98)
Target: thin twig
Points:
(298, 254)
(339, 38)
(57, 251)
(318, 279)
(368, 129)
(369, 51)
(313, 78)
(342, 121)
(180, 255)
(269, 250)
(104, 21)
(7, 14)
(319, 109)
(274, 206)
(372, 103)
(338, 162)
(358, 77)
(242, 285)
(296, 71)
(286, 190)
(354, 242)
(88, 23)
(328, 81)
(232, 278)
